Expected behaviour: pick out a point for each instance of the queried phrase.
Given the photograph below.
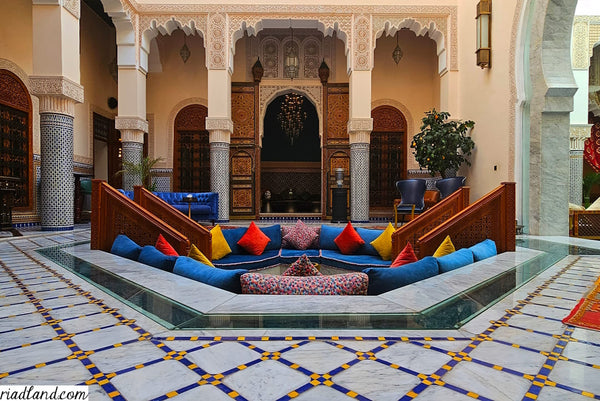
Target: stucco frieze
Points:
(362, 48)
(217, 41)
(131, 135)
(56, 86)
(360, 125)
(578, 133)
(580, 57)
(57, 104)
(188, 22)
(131, 123)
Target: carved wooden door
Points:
(191, 155)
(242, 182)
(387, 156)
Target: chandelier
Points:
(291, 117)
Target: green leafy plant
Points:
(142, 170)
(589, 180)
(442, 145)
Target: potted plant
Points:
(142, 170)
(442, 145)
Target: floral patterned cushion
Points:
(340, 284)
(285, 230)
(302, 267)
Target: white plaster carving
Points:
(73, 6)
(310, 89)
(216, 43)
(218, 123)
(360, 124)
(8, 65)
(578, 133)
(132, 135)
(362, 49)
(57, 104)
(580, 45)
(131, 123)
(56, 86)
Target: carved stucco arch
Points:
(171, 123)
(271, 92)
(436, 27)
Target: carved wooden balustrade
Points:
(585, 224)
(492, 216)
(431, 218)
(197, 234)
(113, 213)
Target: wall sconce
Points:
(484, 33)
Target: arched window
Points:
(387, 155)
(191, 159)
(16, 153)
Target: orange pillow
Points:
(405, 257)
(254, 241)
(348, 241)
(163, 245)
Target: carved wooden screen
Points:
(16, 153)
(387, 156)
(336, 147)
(245, 159)
(191, 155)
(242, 182)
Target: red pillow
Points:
(254, 241)
(163, 245)
(405, 257)
(348, 241)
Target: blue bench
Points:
(205, 206)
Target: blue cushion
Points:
(352, 262)
(292, 255)
(125, 247)
(247, 261)
(155, 258)
(483, 250)
(274, 234)
(368, 235)
(455, 260)
(327, 236)
(232, 236)
(225, 279)
(386, 279)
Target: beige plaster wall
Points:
(413, 85)
(98, 50)
(485, 96)
(242, 67)
(178, 85)
(16, 35)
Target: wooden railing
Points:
(585, 224)
(492, 216)
(113, 213)
(431, 218)
(197, 234)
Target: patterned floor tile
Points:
(414, 357)
(126, 356)
(266, 381)
(104, 337)
(509, 357)
(222, 357)
(310, 356)
(578, 376)
(68, 371)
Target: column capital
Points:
(132, 135)
(578, 133)
(219, 129)
(57, 94)
(131, 123)
(359, 130)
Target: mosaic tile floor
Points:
(57, 329)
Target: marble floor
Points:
(56, 328)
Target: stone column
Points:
(219, 138)
(359, 131)
(132, 146)
(58, 96)
(579, 133)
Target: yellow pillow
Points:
(220, 247)
(383, 243)
(445, 248)
(197, 254)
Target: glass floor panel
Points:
(450, 314)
